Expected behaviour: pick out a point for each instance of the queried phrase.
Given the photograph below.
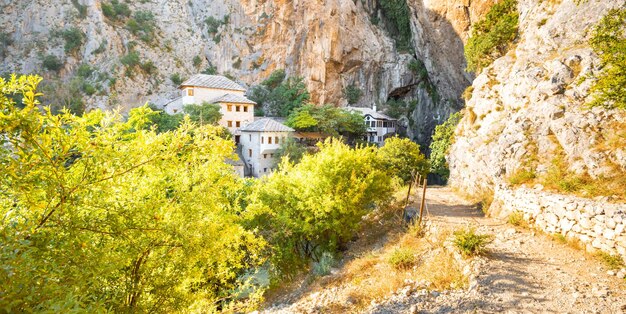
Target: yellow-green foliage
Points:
(442, 140)
(516, 218)
(100, 214)
(521, 176)
(610, 260)
(403, 159)
(318, 204)
(491, 36)
(609, 42)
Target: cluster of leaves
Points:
(214, 24)
(142, 24)
(352, 94)
(316, 205)
(279, 95)
(115, 11)
(491, 37)
(609, 43)
(443, 137)
(398, 18)
(74, 38)
(328, 120)
(197, 61)
(132, 61)
(102, 214)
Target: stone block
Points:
(552, 219)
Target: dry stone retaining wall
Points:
(596, 223)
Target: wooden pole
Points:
(419, 222)
(408, 194)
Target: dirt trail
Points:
(523, 272)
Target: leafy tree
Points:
(402, 157)
(210, 70)
(279, 95)
(352, 94)
(52, 63)
(197, 61)
(492, 35)
(609, 43)
(74, 38)
(204, 113)
(104, 215)
(442, 139)
(327, 119)
(316, 205)
(292, 150)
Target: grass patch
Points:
(516, 218)
(469, 243)
(611, 261)
(521, 176)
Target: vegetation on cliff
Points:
(492, 36)
(442, 139)
(279, 95)
(609, 43)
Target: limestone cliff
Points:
(527, 110)
(332, 44)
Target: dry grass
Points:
(516, 218)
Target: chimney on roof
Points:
(374, 108)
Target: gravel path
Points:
(523, 272)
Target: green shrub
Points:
(52, 63)
(142, 24)
(402, 259)
(210, 70)
(352, 94)
(131, 59)
(115, 10)
(74, 38)
(88, 89)
(442, 140)
(101, 48)
(197, 61)
(419, 69)
(214, 24)
(84, 70)
(469, 242)
(279, 95)
(237, 63)
(609, 43)
(176, 79)
(491, 36)
(204, 113)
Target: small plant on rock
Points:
(610, 260)
(516, 218)
(470, 243)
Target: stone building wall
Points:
(597, 223)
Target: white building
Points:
(259, 142)
(236, 109)
(379, 126)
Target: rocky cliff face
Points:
(332, 44)
(527, 110)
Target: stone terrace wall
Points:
(596, 223)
